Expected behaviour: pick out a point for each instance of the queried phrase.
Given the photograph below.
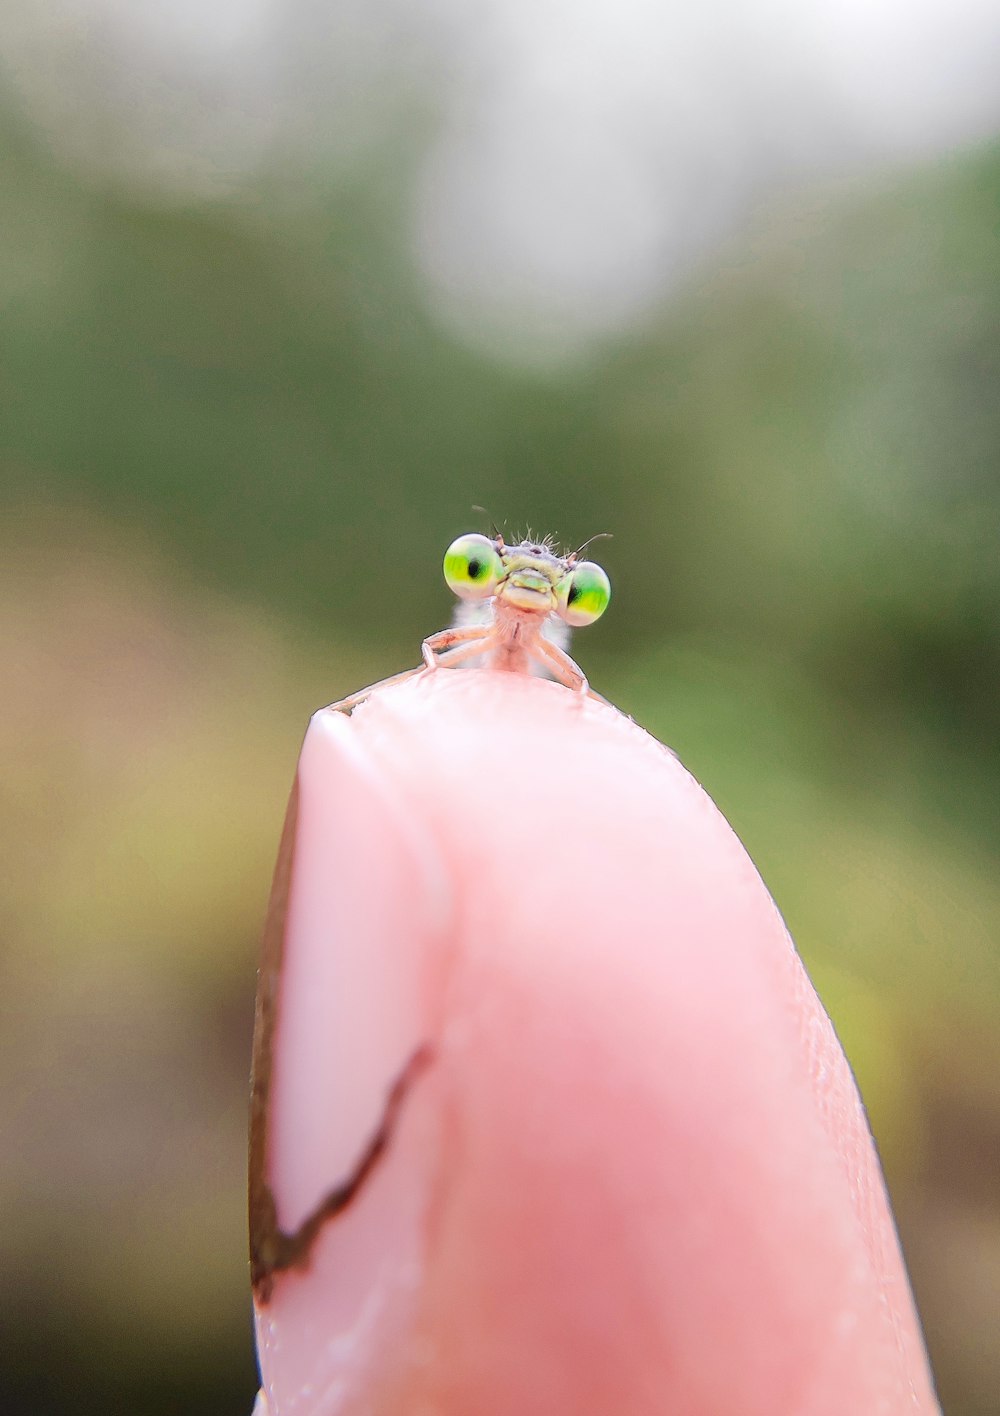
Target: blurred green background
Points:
(259, 358)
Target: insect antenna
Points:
(497, 534)
(601, 536)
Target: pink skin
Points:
(635, 1176)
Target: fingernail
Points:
(339, 1163)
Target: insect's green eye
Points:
(583, 595)
(472, 567)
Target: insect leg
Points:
(348, 705)
(470, 641)
(562, 667)
(454, 658)
(447, 638)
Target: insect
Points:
(518, 605)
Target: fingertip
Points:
(655, 1189)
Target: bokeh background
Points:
(285, 290)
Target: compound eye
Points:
(472, 567)
(583, 594)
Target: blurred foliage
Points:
(235, 444)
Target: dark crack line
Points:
(272, 1250)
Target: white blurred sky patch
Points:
(585, 152)
(593, 149)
